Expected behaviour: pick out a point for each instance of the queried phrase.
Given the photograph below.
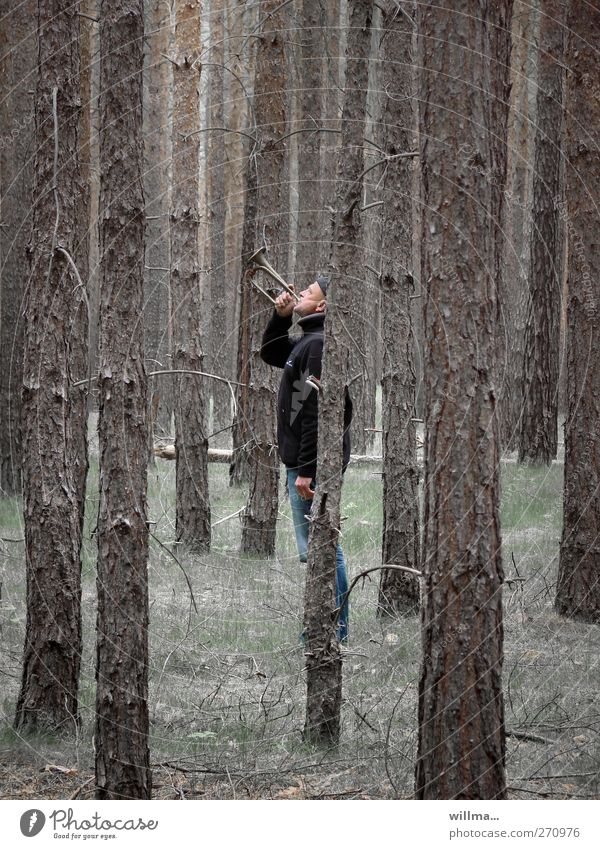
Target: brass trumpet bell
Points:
(259, 258)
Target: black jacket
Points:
(297, 408)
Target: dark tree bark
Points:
(398, 591)
(91, 160)
(539, 416)
(122, 723)
(220, 291)
(54, 412)
(239, 472)
(323, 660)
(578, 592)
(461, 718)
(517, 218)
(17, 154)
(260, 515)
(157, 154)
(193, 505)
(237, 84)
(240, 467)
(311, 248)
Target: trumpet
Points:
(259, 259)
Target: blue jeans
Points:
(300, 509)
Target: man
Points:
(297, 410)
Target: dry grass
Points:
(227, 681)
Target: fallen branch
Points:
(530, 738)
(392, 566)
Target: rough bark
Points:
(190, 407)
(236, 151)
(221, 293)
(92, 160)
(18, 27)
(333, 73)
(539, 415)
(239, 471)
(157, 154)
(398, 591)
(366, 309)
(122, 723)
(578, 592)
(260, 516)
(88, 152)
(323, 660)
(461, 718)
(55, 456)
(517, 217)
(311, 248)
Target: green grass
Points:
(227, 684)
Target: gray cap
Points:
(323, 281)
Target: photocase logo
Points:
(301, 391)
(32, 822)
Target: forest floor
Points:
(227, 684)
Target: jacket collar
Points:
(313, 323)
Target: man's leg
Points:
(300, 510)
(341, 590)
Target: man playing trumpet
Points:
(297, 409)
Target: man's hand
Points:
(284, 304)
(303, 487)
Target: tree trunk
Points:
(517, 218)
(461, 717)
(323, 660)
(54, 413)
(578, 592)
(366, 309)
(539, 417)
(235, 144)
(260, 515)
(157, 154)
(221, 292)
(239, 471)
(398, 591)
(193, 505)
(92, 161)
(312, 248)
(122, 724)
(18, 24)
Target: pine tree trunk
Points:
(193, 505)
(93, 157)
(260, 515)
(517, 218)
(235, 144)
(122, 722)
(311, 247)
(539, 417)
(18, 25)
(323, 660)
(157, 154)
(461, 718)
(578, 592)
(239, 472)
(221, 291)
(398, 591)
(54, 412)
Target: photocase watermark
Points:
(32, 822)
(67, 827)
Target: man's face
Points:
(311, 300)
